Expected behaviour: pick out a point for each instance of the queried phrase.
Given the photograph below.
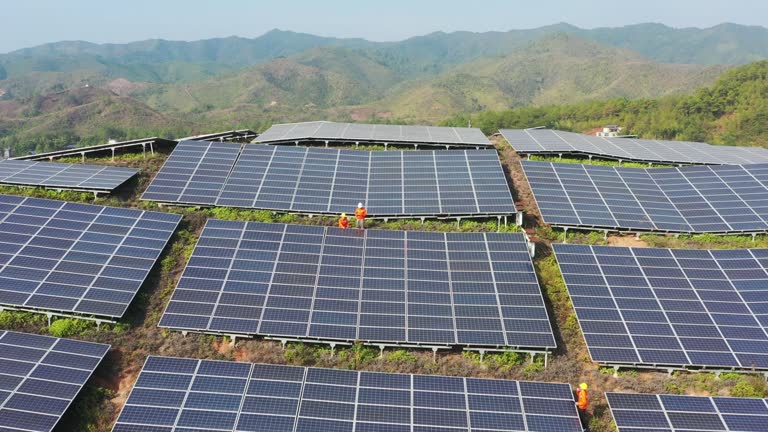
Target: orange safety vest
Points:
(361, 213)
(343, 222)
(583, 399)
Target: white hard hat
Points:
(359, 205)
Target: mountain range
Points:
(286, 76)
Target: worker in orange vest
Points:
(582, 402)
(343, 221)
(361, 213)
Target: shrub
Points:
(66, 327)
(13, 320)
(748, 388)
(507, 359)
(402, 357)
(357, 355)
(299, 354)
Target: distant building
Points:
(609, 131)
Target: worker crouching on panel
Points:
(582, 403)
(361, 213)
(343, 221)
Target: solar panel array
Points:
(391, 287)
(194, 173)
(39, 378)
(693, 199)
(676, 307)
(546, 141)
(333, 181)
(174, 394)
(670, 413)
(63, 176)
(70, 257)
(376, 133)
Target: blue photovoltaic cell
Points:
(78, 258)
(291, 133)
(694, 199)
(272, 398)
(673, 307)
(333, 181)
(40, 376)
(64, 176)
(194, 173)
(645, 412)
(323, 283)
(553, 142)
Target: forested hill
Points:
(62, 65)
(77, 93)
(732, 111)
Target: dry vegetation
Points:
(137, 334)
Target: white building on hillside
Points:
(610, 131)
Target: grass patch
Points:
(68, 327)
(38, 192)
(21, 321)
(601, 162)
(705, 241)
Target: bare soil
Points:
(628, 240)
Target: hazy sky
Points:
(25, 23)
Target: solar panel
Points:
(668, 413)
(388, 287)
(40, 376)
(549, 142)
(675, 307)
(333, 181)
(69, 257)
(693, 199)
(64, 176)
(194, 173)
(196, 395)
(373, 133)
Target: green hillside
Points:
(64, 65)
(82, 116)
(732, 111)
(323, 77)
(160, 87)
(556, 69)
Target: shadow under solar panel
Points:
(380, 287)
(40, 376)
(196, 395)
(699, 309)
(76, 258)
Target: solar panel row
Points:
(322, 181)
(194, 173)
(669, 413)
(203, 395)
(377, 133)
(63, 176)
(395, 287)
(79, 258)
(685, 308)
(695, 199)
(39, 378)
(545, 141)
